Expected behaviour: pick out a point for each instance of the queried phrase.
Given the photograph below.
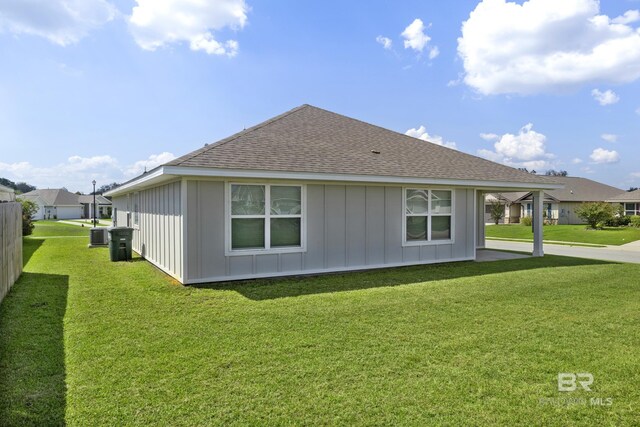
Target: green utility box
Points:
(120, 243)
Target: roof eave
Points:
(165, 173)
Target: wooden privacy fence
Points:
(10, 245)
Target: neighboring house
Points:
(509, 203)
(630, 201)
(311, 191)
(104, 206)
(559, 205)
(7, 194)
(55, 204)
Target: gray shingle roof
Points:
(312, 140)
(627, 196)
(575, 189)
(54, 197)
(88, 198)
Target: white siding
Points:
(158, 235)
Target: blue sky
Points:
(118, 85)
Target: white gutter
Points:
(177, 171)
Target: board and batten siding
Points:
(158, 235)
(349, 227)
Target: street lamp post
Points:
(94, 202)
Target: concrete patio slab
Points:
(484, 255)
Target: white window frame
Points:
(631, 212)
(135, 220)
(429, 215)
(267, 223)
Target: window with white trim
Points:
(136, 209)
(265, 216)
(632, 208)
(427, 215)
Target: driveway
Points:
(625, 253)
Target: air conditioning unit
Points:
(99, 237)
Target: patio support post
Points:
(538, 197)
(480, 231)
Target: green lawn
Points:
(567, 233)
(52, 228)
(87, 342)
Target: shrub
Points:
(595, 214)
(526, 220)
(618, 221)
(635, 221)
(496, 211)
(29, 208)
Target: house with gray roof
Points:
(55, 203)
(559, 204)
(103, 206)
(630, 201)
(311, 191)
(7, 194)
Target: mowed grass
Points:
(54, 228)
(567, 233)
(87, 342)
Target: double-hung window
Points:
(428, 215)
(631, 208)
(136, 209)
(266, 217)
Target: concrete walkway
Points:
(625, 253)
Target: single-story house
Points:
(560, 204)
(509, 204)
(55, 204)
(630, 201)
(104, 206)
(311, 191)
(7, 194)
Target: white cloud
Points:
(421, 133)
(415, 38)
(576, 161)
(489, 136)
(546, 45)
(154, 160)
(155, 24)
(609, 137)
(600, 155)
(77, 172)
(434, 52)
(635, 174)
(607, 97)
(526, 149)
(385, 42)
(629, 17)
(62, 22)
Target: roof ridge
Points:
(235, 136)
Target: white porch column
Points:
(480, 235)
(537, 221)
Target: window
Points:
(136, 209)
(631, 208)
(264, 217)
(427, 216)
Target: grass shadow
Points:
(284, 287)
(32, 369)
(29, 247)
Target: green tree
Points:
(595, 214)
(29, 208)
(496, 211)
